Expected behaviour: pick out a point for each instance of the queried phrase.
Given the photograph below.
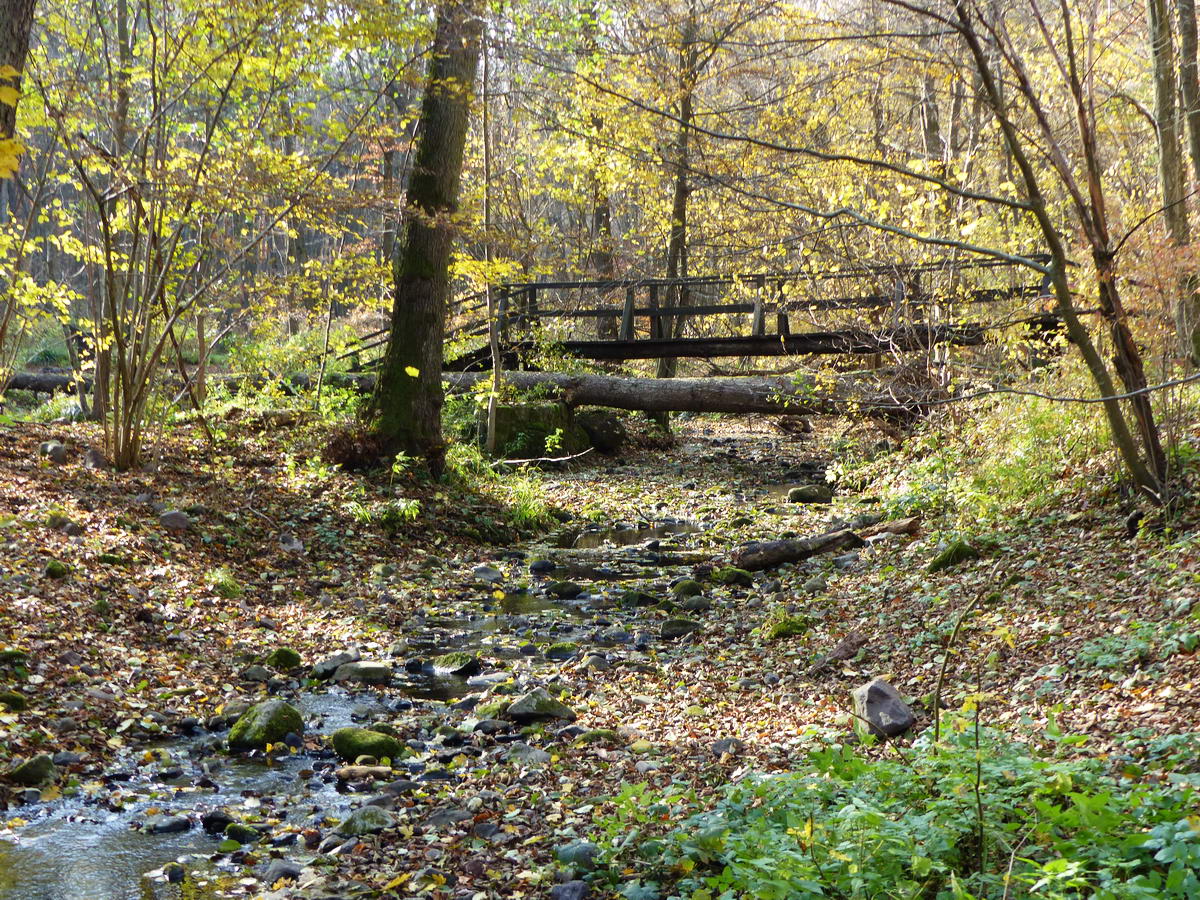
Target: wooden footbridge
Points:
(867, 310)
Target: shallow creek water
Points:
(95, 845)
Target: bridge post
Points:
(781, 317)
(627, 314)
(656, 329)
(757, 325)
(502, 316)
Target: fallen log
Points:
(770, 396)
(53, 382)
(768, 554)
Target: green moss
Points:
(733, 576)
(351, 743)
(780, 624)
(284, 658)
(956, 552)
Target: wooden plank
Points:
(757, 323)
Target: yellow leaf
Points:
(412, 371)
(8, 72)
(9, 95)
(397, 881)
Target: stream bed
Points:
(115, 831)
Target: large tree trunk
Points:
(407, 405)
(1171, 171)
(1189, 82)
(769, 396)
(16, 21)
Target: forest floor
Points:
(136, 641)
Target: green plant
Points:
(224, 583)
(977, 815)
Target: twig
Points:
(541, 459)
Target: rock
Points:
(14, 701)
(169, 825)
(677, 628)
(268, 722)
(598, 736)
(638, 598)
(260, 674)
(487, 574)
(351, 743)
(696, 605)
(13, 657)
(283, 659)
(242, 833)
(541, 567)
(571, 890)
(364, 672)
(604, 429)
(443, 818)
(846, 561)
(538, 706)
(810, 493)
(53, 451)
(579, 854)
(325, 669)
(175, 520)
(594, 663)
(562, 651)
(879, 704)
(521, 752)
(815, 585)
(731, 746)
(686, 588)
(459, 663)
(910, 526)
(367, 820)
(957, 551)
(291, 544)
(56, 569)
(733, 576)
(567, 590)
(215, 821)
(282, 870)
(94, 459)
(522, 430)
(33, 772)
(780, 624)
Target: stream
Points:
(114, 831)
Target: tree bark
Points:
(1189, 82)
(407, 405)
(16, 22)
(768, 396)
(767, 554)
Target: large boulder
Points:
(810, 493)
(883, 709)
(324, 669)
(522, 430)
(367, 820)
(604, 429)
(539, 706)
(33, 771)
(957, 551)
(458, 663)
(265, 723)
(364, 672)
(351, 743)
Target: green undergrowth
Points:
(977, 815)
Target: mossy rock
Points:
(367, 820)
(780, 624)
(811, 493)
(538, 706)
(14, 701)
(491, 710)
(284, 659)
(732, 576)
(561, 651)
(677, 628)
(13, 657)
(522, 429)
(634, 597)
(458, 663)
(242, 833)
(956, 552)
(33, 772)
(687, 588)
(351, 743)
(56, 569)
(265, 723)
(565, 590)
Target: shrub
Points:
(979, 815)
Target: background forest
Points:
(328, 568)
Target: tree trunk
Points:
(1189, 81)
(16, 21)
(760, 555)
(677, 261)
(407, 405)
(1171, 172)
(768, 396)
